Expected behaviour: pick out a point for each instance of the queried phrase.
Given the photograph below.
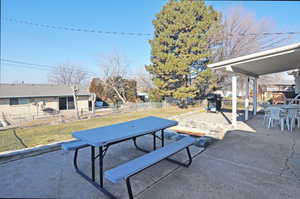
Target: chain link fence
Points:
(43, 118)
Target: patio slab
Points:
(261, 163)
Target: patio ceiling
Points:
(270, 61)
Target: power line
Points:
(30, 67)
(85, 30)
(36, 66)
(73, 29)
(26, 63)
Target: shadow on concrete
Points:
(245, 164)
(256, 163)
(225, 117)
(240, 113)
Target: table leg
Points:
(154, 141)
(92, 180)
(75, 159)
(93, 162)
(162, 138)
(101, 166)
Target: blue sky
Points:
(52, 47)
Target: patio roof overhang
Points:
(270, 61)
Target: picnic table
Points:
(103, 137)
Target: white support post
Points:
(247, 100)
(254, 96)
(234, 101)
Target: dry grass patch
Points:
(29, 137)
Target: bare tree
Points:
(75, 91)
(144, 81)
(243, 34)
(68, 74)
(95, 88)
(115, 69)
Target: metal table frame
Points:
(102, 152)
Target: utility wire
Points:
(73, 29)
(35, 66)
(30, 67)
(26, 63)
(122, 33)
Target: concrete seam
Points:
(245, 166)
(288, 158)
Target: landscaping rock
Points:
(203, 142)
(169, 135)
(211, 124)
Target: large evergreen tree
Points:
(183, 29)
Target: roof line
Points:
(41, 96)
(255, 55)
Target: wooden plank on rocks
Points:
(189, 131)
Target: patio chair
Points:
(292, 116)
(266, 115)
(298, 118)
(277, 114)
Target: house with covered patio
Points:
(248, 162)
(252, 66)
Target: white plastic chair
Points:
(277, 114)
(266, 116)
(266, 107)
(292, 116)
(298, 118)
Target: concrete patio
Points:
(251, 162)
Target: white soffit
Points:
(270, 61)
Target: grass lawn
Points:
(29, 137)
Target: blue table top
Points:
(116, 132)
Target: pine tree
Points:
(182, 32)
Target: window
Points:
(17, 101)
(13, 101)
(71, 103)
(23, 101)
(62, 103)
(66, 103)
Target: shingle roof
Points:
(37, 90)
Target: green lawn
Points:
(29, 137)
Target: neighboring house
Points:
(30, 99)
(267, 90)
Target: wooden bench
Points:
(133, 167)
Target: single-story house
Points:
(29, 99)
(267, 91)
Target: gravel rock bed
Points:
(212, 124)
